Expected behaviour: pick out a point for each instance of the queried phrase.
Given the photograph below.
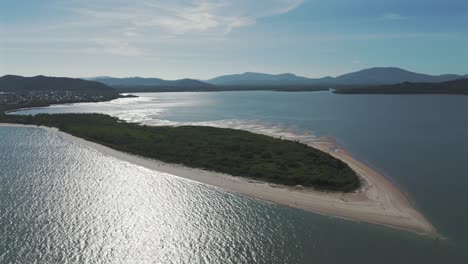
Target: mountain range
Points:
(254, 78)
(374, 80)
(372, 76)
(139, 81)
(392, 75)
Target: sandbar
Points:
(379, 201)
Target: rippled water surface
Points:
(65, 203)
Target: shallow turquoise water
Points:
(135, 215)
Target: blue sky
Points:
(205, 38)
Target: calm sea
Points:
(61, 202)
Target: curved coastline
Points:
(377, 202)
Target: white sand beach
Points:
(378, 202)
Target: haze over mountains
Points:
(372, 76)
(254, 78)
(374, 80)
(392, 75)
(138, 81)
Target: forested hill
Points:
(19, 92)
(150, 83)
(17, 84)
(450, 87)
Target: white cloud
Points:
(393, 16)
(182, 17)
(120, 26)
(130, 28)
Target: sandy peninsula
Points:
(377, 202)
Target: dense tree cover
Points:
(450, 87)
(235, 152)
(43, 103)
(14, 83)
(18, 92)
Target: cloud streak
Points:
(393, 16)
(118, 27)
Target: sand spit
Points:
(377, 202)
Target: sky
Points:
(203, 39)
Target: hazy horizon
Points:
(238, 73)
(204, 39)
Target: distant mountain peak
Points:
(288, 75)
(267, 74)
(257, 78)
(370, 76)
(390, 75)
(140, 81)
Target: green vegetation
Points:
(235, 152)
(450, 87)
(19, 92)
(18, 84)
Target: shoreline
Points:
(377, 202)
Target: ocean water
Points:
(63, 202)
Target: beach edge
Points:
(377, 202)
